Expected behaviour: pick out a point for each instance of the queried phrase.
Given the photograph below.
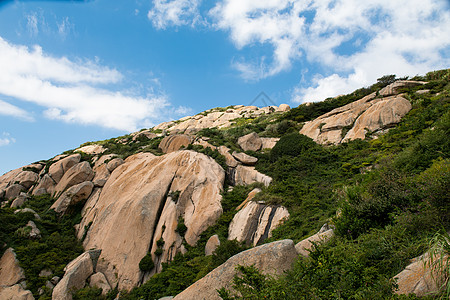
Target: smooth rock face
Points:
(304, 247)
(250, 142)
(114, 163)
(212, 244)
(255, 222)
(244, 158)
(419, 278)
(15, 292)
(57, 169)
(26, 179)
(20, 200)
(72, 196)
(76, 273)
(46, 185)
(10, 271)
(244, 175)
(273, 259)
(395, 87)
(229, 159)
(173, 143)
(77, 174)
(269, 143)
(91, 149)
(99, 280)
(129, 213)
(13, 191)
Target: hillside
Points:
(146, 215)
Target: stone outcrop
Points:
(212, 244)
(99, 280)
(73, 196)
(269, 143)
(27, 210)
(26, 179)
(13, 191)
(273, 259)
(20, 200)
(305, 246)
(142, 202)
(79, 173)
(46, 185)
(174, 142)
(419, 277)
(34, 233)
(10, 271)
(367, 114)
(75, 275)
(243, 175)
(58, 168)
(15, 292)
(91, 149)
(217, 117)
(255, 222)
(396, 87)
(229, 159)
(250, 142)
(244, 158)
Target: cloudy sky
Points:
(77, 71)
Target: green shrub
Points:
(292, 144)
(181, 228)
(146, 264)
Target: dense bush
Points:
(146, 264)
(292, 144)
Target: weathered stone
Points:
(395, 87)
(57, 169)
(113, 164)
(15, 292)
(250, 142)
(255, 222)
(305, 246)
(420, 278)
(91, 149)
(76, 273)
(142, 194)
(229, 159)
(145, 133)
(55, 280)
(244, 175)
(272, 259)
(244, 158)
(72, 196)
(8, 178)
(174, 142)
(26, 210)
(101, 175)
(99, 280)
(35, 233)
(269, 143)
(46, 185)
(20, 200)
(13, 191)
(26, 179)
(45, 273)
(2, 194)
(10, 271)
(212, 244)
(284, 107)
(79, 173)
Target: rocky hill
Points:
(180, 209)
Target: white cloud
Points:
(384, 36)
(8, 109)
(65, 27)
(69, 91)
(32, 24)
(175, 13)
(6, 139)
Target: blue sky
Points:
(77, 71)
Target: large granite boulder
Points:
(174, 142)
(15, 292)
(244, 158)
(58, 168)
(73, 196)
(272, 259)
(250, 141)
(396, 87)
(305, 246)
(10, 271)
(142, 202)
(245, 175)
(79, 173)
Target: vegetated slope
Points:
(390, 192)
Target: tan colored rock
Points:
(77, 174)
(284, 107)
(26, 179)
(212, 244)
(99, 280)
(15, 292)
(249, 198)
(114, 163)
(269, 143)
(10, 271)
(244, 158)
(37, 166)
(380, 115)
(395, 87)
(250, 142)
(101, 175)
(174, 142)
(46, 185)
(13, 191)
(20, 200)
(35, 233)
(57, 169)
(8, 178)
(73, 196)
(136, 198)
(305, 246)
(419, 278)
(76, 273)
(244, 175)
(91, 149)
(26, 210)
(145, 133)
(272, 259)
(255, 222)
(229, 159)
